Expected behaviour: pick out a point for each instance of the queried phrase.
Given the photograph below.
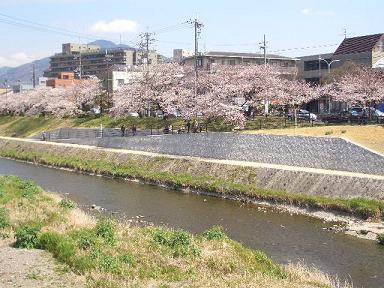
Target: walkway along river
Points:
(285, 238)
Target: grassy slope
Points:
(180, 173)
(18, 126)
(371, 136)
(114, 254)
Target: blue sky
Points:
(228, 25)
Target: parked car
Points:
(95, 110)
(357, 111)
(302, 114)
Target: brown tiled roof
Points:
(358, 44)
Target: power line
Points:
(307, 47)
(43, 27)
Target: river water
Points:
(283, 237)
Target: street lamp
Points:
(329, 63)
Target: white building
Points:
(121, 75)
(180, 54)
(42, 81)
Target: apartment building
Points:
(206, 60)
(92, 60)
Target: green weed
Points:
(62, 247)
(215, 233)
(27, 235)
(180, 242)
(106, 229)
(67, 203)
(380, 238)
(4, 218)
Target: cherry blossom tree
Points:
(364, 86)
(52, 101)
(216, 93)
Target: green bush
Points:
(110, 264)
(380, 238)
(82, 264)
(29, 189)
(67, 203)
(61, 247)
(86, 239)
(4, 218)
(106, 229)
(26, 236)
(179, 242)
(215, 233)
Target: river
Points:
(283, 237)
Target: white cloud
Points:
(114, 26)
(15, 59)
(308, 12)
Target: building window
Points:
(120, 82)
(232, 62)
(199, 62)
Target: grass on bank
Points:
(112, 254)
(148, 171)
(371, 136)
(24, 126)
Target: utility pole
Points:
(197, 32)
(33, 75)
(263, 46)
(146, 40)
(108, 58)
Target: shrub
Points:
(26, 236)
(4, 218)
(82, 263)
(215, 233)
(328, 132)
(110, 264)
(380, 238)
(60, 246)
(343, 131)
(67, 203)
(29, 189)
(86, 239)
(179, 241)
(106, 229)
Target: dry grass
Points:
(371, 136)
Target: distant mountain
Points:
(4, 69)
(23, 72)
(105, 44)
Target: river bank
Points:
(111, 254)
(225, 181)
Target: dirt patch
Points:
(34, 269)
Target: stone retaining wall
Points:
(300, 182)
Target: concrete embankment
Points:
(298, 180)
